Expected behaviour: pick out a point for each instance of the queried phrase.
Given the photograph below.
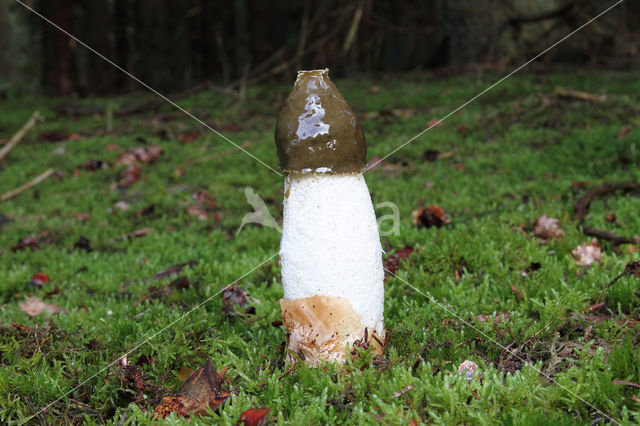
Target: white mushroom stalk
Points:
(330, 250)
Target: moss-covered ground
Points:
(551, 340)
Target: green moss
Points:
(510, 158)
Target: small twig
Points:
(14, 193)
(609, 236)
(295, 363)
(15, 139)
(403, 391)
(632, 268)
(582, 204)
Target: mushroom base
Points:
(321, 328)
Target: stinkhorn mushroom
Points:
(330, 250)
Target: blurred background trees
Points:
(175, 44)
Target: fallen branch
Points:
(582, 204)
(577, 94)
(609, 236)
(15, 139)
(79, 110)
(14, 193)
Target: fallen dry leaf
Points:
(547, 228)
(392, 262)
(468, 368)
(133, 375)
(201, 391)
(434, 122)
(122, 205)
(430, 216)
(141, 232)
(144, 154)
(83, 243)
(82, 217)
(93, 165)
(233, 296)
(254, 417)
(587, 253)
(129, 176)
(173, 270)
(188, 137)
(517, 291)
(633, 268)
(25, 243)
(53, 136)
(198, 212)
(625, 131)
(34, 307)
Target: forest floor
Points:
(138, 227)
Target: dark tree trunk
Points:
(59, 49)
(99, 77)
(123, 17)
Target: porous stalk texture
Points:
(330, 244)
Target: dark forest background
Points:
(176, 44)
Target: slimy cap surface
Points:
(317, 131)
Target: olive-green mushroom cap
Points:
(317, 131)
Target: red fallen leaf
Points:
(434, 122)
(517, 291)
(25, 243)
(430, 216)
(254, 417)
(547, 228)
(82, 217)
(587, 254)
(624, 132)
(198, 212)
(460, 166)
(231, 127)
(392, 262)
(145, 210)
(141, 232)
(164, 117)
(112, 146)
(53, 136)
(205, 200)
(462, 129)
(201, 391)
(374, 163)
(188, 137)
(40, 279)
(130, 176)
(143, 154)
